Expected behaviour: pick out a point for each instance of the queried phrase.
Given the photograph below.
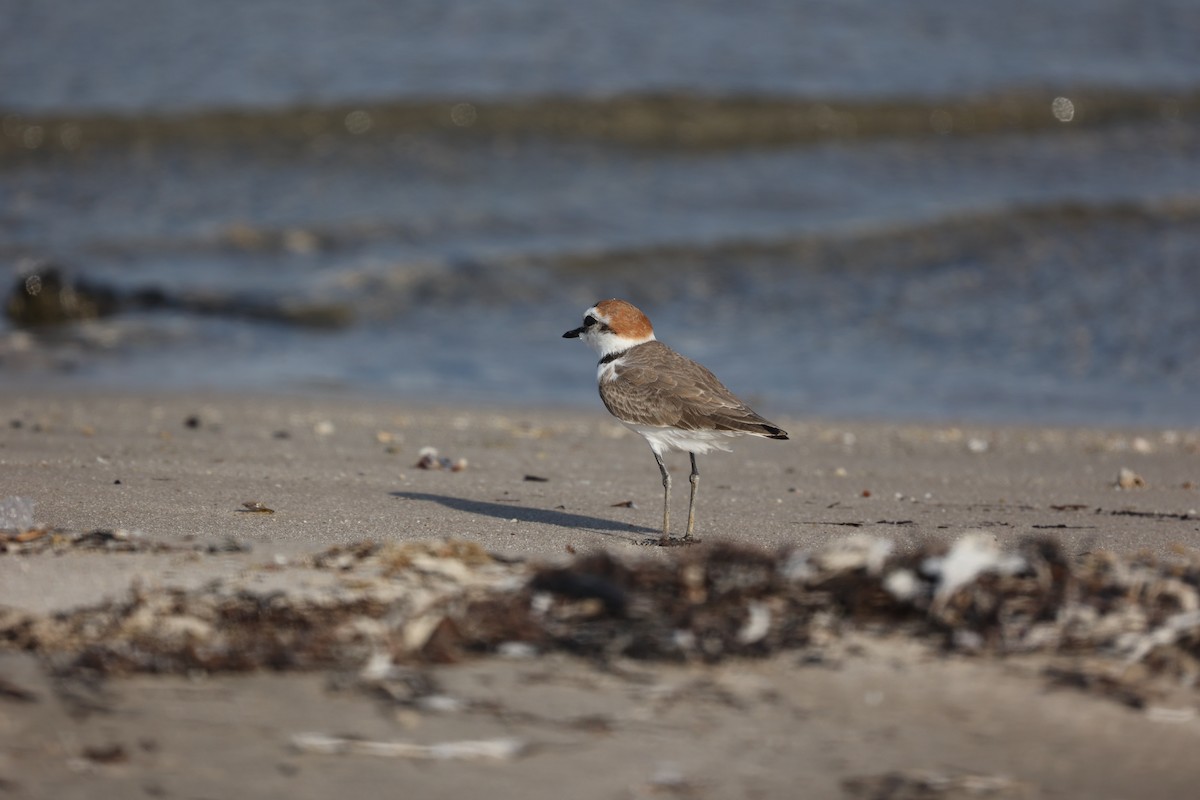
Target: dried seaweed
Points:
(1114, 622)
(36, 540)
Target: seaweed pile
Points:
(1117, 621)
(1128, 626)
(36, 540)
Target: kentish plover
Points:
(675, 403)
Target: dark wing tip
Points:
(775, 433)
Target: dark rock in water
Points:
(44, 296)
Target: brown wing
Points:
(660, 387)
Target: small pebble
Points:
(429, 459)
(1128, 479)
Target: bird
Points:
(672, 401)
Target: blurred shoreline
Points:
(934, 211)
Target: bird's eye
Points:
(589, 321)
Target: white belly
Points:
(663, 439)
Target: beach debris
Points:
(14, 541)
(977, 552)
(114, 753)
(428, 458)
(624, 504)
(226, 545)
(1128, 479)
(392, 441)
(499, 749)
(206, 417)
(914, 784)
(757, 626)
(1182, 516)
(1117, 626)
(255, 507)
(536, 478)
(119, 540)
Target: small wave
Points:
(969, 229)
(739, 269)
(657, 120)
(730, 267)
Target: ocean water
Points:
(929, 210)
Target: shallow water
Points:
(929, 211)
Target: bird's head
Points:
(611, 326)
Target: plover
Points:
(672, 401)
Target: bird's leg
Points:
(666, 534)
(694, 478)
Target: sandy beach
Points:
(884, 717)
(303, 494)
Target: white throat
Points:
(605, 343)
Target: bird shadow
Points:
(543, 516)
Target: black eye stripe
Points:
(590, 322)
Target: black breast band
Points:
(611, 357)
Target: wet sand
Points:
(545, 485)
